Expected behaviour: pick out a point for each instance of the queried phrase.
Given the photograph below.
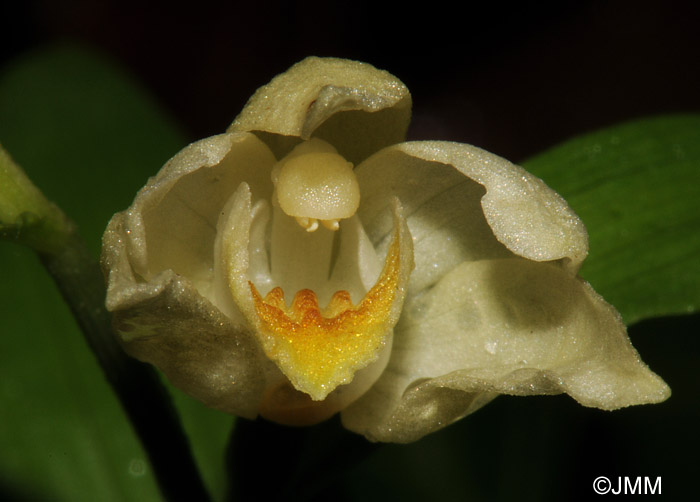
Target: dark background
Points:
(511, 79)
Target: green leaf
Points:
(636, 186)
(88, 137)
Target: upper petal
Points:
(508, 326)
(352, 105)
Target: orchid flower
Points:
(309, 262)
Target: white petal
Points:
(527, 216)
(443, 209)
(463, 203)
(172, 223)
(159, 259)
(507, 326)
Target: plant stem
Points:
(139, 390)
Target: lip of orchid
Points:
(316, 349)
(319, 349)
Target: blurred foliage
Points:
(88, 136)
(637, 188)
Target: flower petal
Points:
(463, 203)
(158, 257)
(352, 105)
(508, 326)
(443, 210)
(172, 223)
(166, 322)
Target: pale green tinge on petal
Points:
(529, 218)
(158, 257)
(166, 322)
(172, 223)
(442, 208)
(509, 326)
(354, 106)
(232, 249)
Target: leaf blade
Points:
(88, 136)
(637, 188)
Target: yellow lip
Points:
(321, 349)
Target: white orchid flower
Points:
(307, 262)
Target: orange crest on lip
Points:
(319, 349)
